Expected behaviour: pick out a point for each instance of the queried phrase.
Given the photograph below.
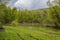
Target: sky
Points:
(28, 4)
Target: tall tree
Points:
(54, 8)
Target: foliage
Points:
(55, 13)
(49, 17)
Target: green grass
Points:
(29, 33)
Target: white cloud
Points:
(30, 4)
(25, 3)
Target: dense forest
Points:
(49, 17)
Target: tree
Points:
(54, 8)
(3, 10)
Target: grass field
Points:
(29, 33)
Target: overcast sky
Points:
(28, 4)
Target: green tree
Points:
(55, 12)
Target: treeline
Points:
(45, 17)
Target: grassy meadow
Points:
(29, 33)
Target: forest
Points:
(45, 18)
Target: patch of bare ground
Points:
(2, 29)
